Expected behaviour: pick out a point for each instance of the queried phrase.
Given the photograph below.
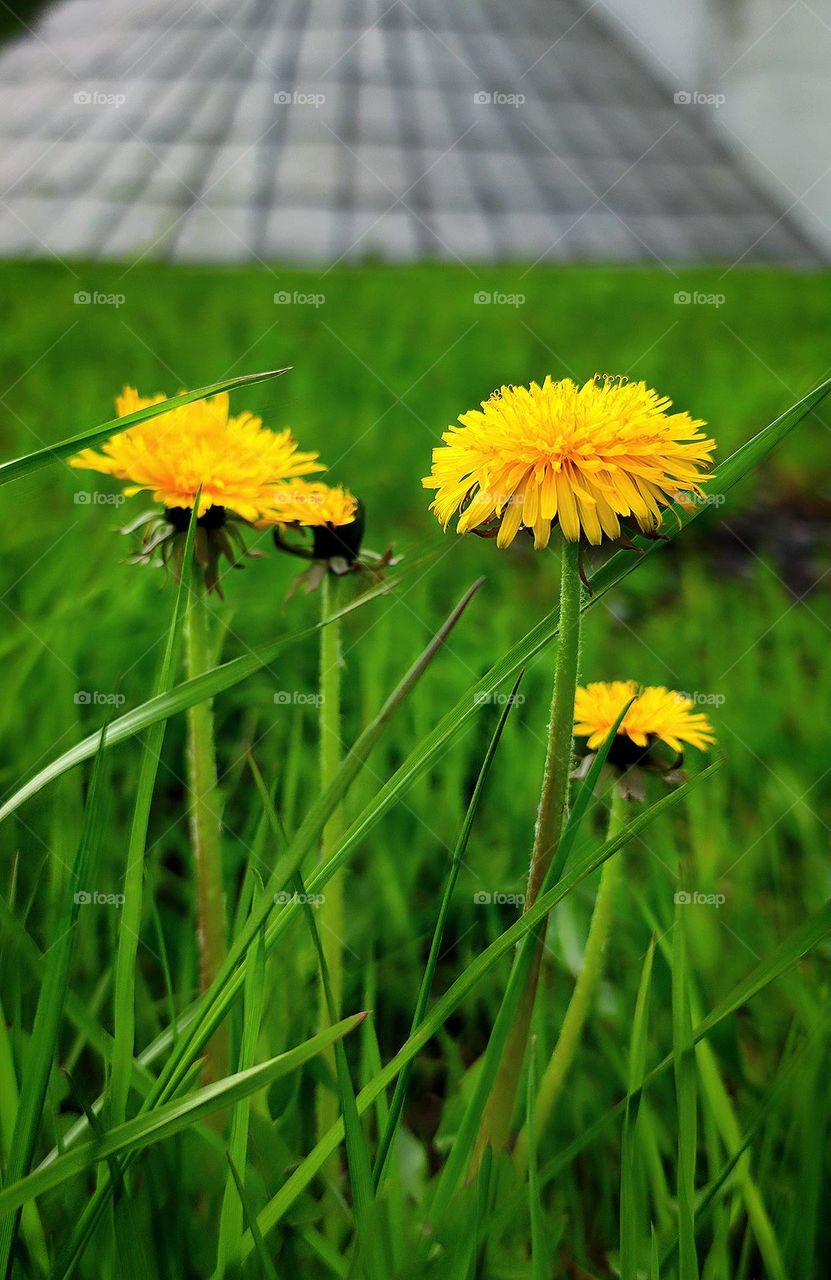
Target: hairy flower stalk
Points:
(205, 821)
(553, 804)
(551, 1083)
(331, 910)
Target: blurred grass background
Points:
(380, 367)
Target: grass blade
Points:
(540, 1262)
(630, 1216)
(49, 1013)
(233, 1204)
(466, 982)
(161, 707)
(683, 1056)
(18, 467)
(165, 1121)
(129, 931)
(399, 1096)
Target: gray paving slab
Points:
(234, 130)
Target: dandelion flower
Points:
(657, 714)
(237, 460)
(584, 457)
(311, 503)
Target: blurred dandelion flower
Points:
(237, 461)
(657, 714)
(585, 457)
(335, 519)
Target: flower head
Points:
(581, 456)
(237, 460)
(656, 715)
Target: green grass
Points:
(380, 368)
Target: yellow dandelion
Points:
(237, 460)
(333, 516)
(656, 713)
(581, 456)
(310, 502)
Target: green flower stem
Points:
(205, 823)
(590, 974)
(331, 910)
(551, 815)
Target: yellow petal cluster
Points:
(581, 456)
(657, 712)
(312, 503)
(237, 461)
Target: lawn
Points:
(381, 361)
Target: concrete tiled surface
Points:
(233, 130)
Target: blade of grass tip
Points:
(655, 1265)
(466, 982)
(630, 1197)
(540, 1262)
(369, 1239)
(49, 1012)
(399, 1096)
(197, 1023)
(266, 1265)
(178, 699)
(63, 448)
(686, 1101)
(129, 931)
(470, 1131)
(233, 1205)
(174, 1117)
